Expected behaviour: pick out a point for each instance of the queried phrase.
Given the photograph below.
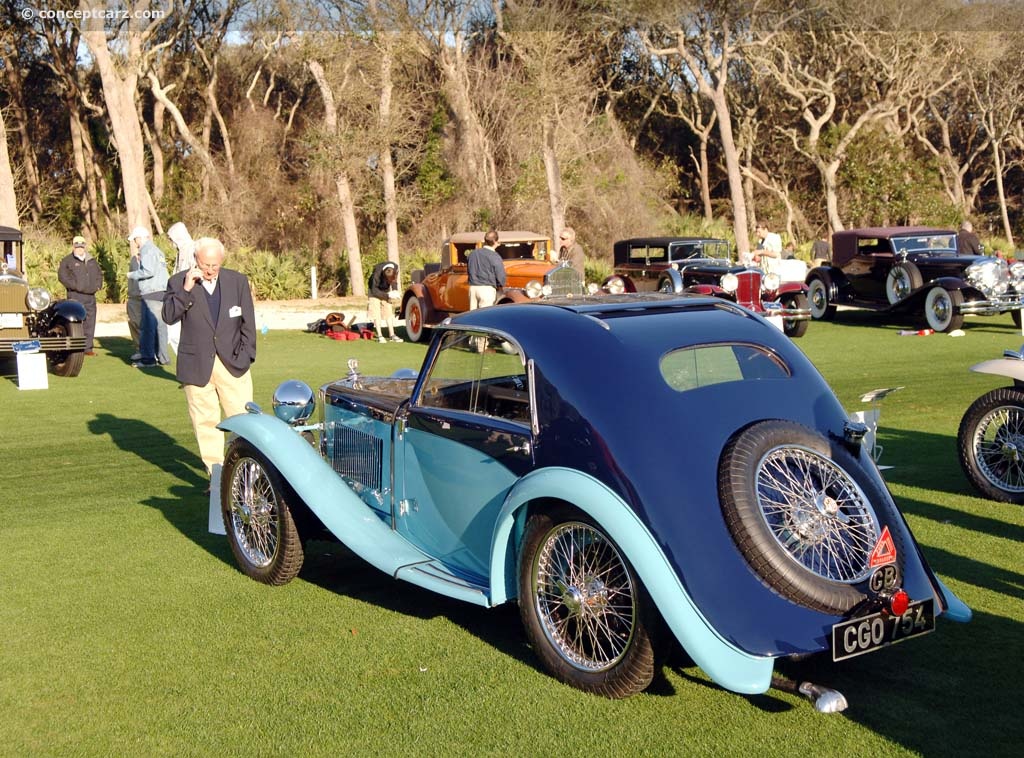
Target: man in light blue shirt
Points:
(151, 276)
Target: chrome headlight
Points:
(37, 299)
(593, 289)
(534, 289)
(730, 283)
(615, 285)
(294, 402)
(770, 283)
(1017, 271)
(991, 276)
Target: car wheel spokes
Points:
(254, 513)
(817, 513)
(584, 597)
(999, 447)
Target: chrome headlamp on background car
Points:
(37, 299)
(535, 289)
(770, 283)
(730, 282)
(1017, 272)
(294, 402)
(990, 276)
(616, 285)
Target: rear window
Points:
(705, 365)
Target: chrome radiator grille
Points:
(565, 280)
(357, 455)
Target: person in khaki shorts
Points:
(486, 273)
(218, 343)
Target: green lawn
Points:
(126, 629)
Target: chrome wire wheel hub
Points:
(584, 597)
(998, 447)
(254, 513)
(817, 513)
(901, 284)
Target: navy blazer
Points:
(234, 339)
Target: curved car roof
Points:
(8, 233)
(462, 238)
(666, 240)
(887, 232)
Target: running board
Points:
(435, 576)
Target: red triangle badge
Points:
(884, 552)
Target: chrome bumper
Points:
(990, 307)
(790, 314)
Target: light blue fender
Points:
(727, 665)
(340, 509)
(957, 609)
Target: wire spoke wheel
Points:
(585, 598)
(999, 448)
(256, 504)
(254, 513)
(817, 513)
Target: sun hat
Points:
(139, 232)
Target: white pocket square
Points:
(235, 312)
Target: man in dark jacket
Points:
(384, 294)
(218, 343)
(967, 242)
(80, 274)
(486, 273)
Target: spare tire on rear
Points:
(801, 513)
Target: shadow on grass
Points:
(123, 348)
(335, 568)
(959, 677)
(850, 316)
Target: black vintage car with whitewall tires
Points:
(914, 272)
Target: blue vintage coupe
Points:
(735, 510)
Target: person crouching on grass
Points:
(384, 293)
(218, 343)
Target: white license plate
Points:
(868, 633)
(12, 321)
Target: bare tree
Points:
(119, 73)
(443, 38)
(341, 177)
(710, 39)
(8, 201)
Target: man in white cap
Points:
(81, 276)
(384, 294)
(151, 276)
(186, 259)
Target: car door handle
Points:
(524, 448)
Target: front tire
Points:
(66, 362)
(822, 308)
(582, 606)
(415, 311)
(792, 328)
(903, 278)
(991, 445)
(254, 505)
(942, 309)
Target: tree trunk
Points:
(387, 164)
(997, 160)
(87, 201)
(554, 177)
(8, 202)
(704, 169)
(28, 155)
(119, 94)
(341, 182)
(475, 166)
(158, 151)
(829, 172)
